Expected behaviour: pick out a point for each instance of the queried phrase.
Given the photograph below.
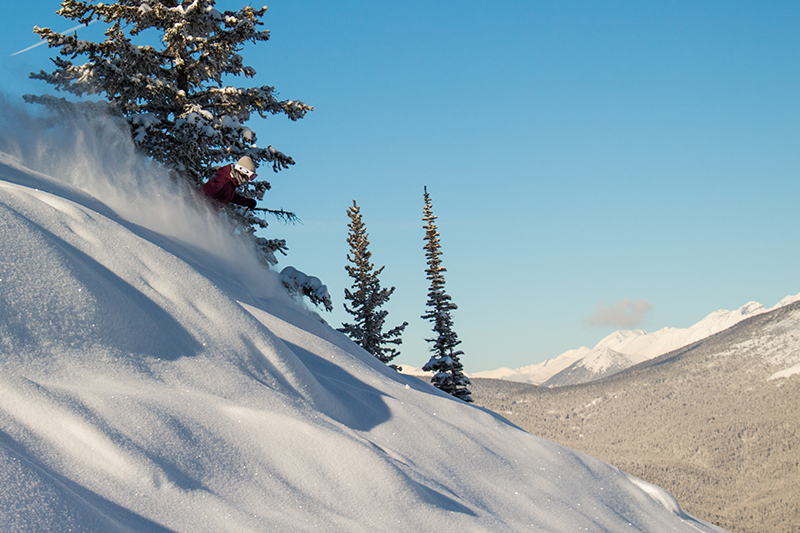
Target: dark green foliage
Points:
(445, 361)
(367, 296)
(170, 86)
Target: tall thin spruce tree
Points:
(445, 361)
(173, 96)
(367, 296)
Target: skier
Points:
(221, 189)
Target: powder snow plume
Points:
(96, 155)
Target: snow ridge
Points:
(151, 384)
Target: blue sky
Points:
(594, 165)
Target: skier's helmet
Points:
(246, 167)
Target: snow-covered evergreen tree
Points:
(299, 284)
(367, 296)
(445, 361)
(173, 95)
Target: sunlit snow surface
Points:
(155, 378)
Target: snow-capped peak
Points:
(625, 348)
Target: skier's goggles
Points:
(245, 172)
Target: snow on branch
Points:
(298, 283)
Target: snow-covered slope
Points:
(625, 348)
(163, 382)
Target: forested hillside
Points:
(715, 423)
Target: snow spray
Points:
(96, 155)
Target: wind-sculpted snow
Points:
(152, 383)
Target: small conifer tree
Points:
(367, 296)
(445, 361)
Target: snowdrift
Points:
(160, 380)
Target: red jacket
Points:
(222, 189)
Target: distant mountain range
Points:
(623, 349)
(714, 422)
